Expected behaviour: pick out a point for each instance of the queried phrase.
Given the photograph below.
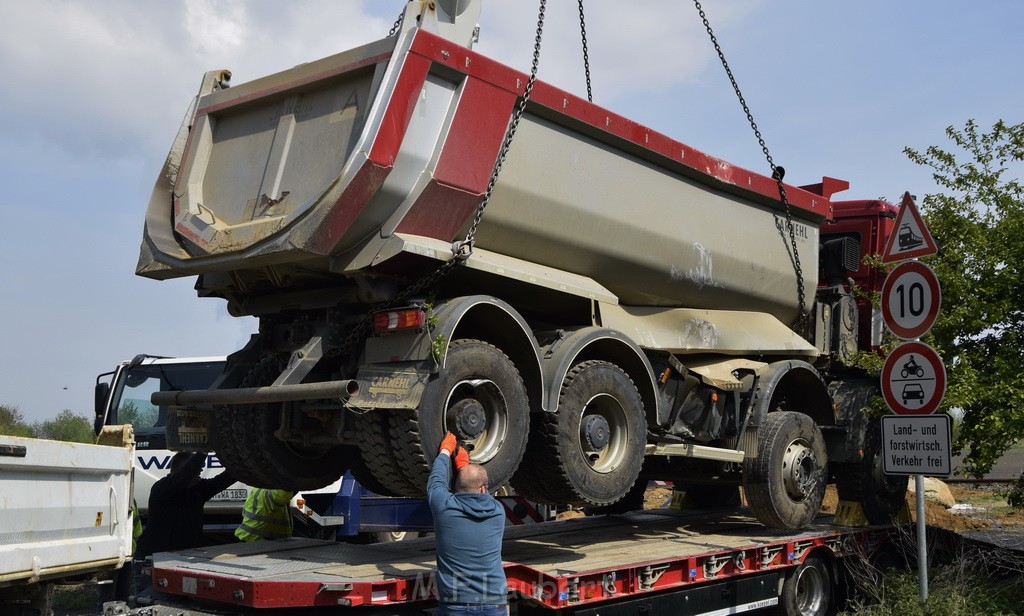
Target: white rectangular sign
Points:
(916, 445)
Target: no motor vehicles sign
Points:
(913, 379)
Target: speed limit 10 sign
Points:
(910, 299)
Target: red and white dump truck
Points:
(612, 307)
(625, 307)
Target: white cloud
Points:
(215, 28)
(634, 48)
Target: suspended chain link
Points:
(464, 249)
(586, 55)
(461, 250)
(398, 23)
(777, 174)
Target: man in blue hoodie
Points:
(469, 525)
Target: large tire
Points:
(881, 496)
(249, 450)
(785, 483)
(376, 468)
(480, 397)
(632, 501)
(807, 590)
(530, 480)
(590, 452)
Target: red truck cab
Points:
(870, 223)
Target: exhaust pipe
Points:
(257, 395)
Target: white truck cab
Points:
(123, 397)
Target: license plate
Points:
(229, 495)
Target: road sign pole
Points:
(922, 549)
(916, 445)
(910, 304)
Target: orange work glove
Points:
(448, 444)
(461, 459)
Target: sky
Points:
(93, 93)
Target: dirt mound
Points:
(941, 517)
(936, 515)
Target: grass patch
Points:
(77, 598)
(951, 592)
(988, 500)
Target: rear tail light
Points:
(399, 320)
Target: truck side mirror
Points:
(100, 401)
(838, 257)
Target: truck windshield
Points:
(131, 399)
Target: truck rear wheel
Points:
(785, 483)
(632, 501)
(249, 450)
(589, 452)
(376, 468)
(479, 396)
(879, 495)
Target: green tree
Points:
(66, 427)
(978, 223)
(129, 414)
(12, 423)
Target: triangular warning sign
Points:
(910, 238)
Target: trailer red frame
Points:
(586, 562)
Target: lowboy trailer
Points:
(662, 561)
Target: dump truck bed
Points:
(64, 509)
(554, 565)
(314, 172)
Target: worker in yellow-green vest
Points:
(266, 515)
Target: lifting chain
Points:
(586, 55)
(464, 249)
(777, 174)
(461, 250)
(397, 24)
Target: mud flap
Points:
(397, 385)
(190, 429)
(846, 439)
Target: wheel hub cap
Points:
(476, 411)
(595, 432)
(798, 467)
(470, 418)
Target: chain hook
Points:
(462, 249)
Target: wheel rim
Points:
(799, 470)
(810, 590)
(476, 412)
(603, 433)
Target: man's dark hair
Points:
(179, 459)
